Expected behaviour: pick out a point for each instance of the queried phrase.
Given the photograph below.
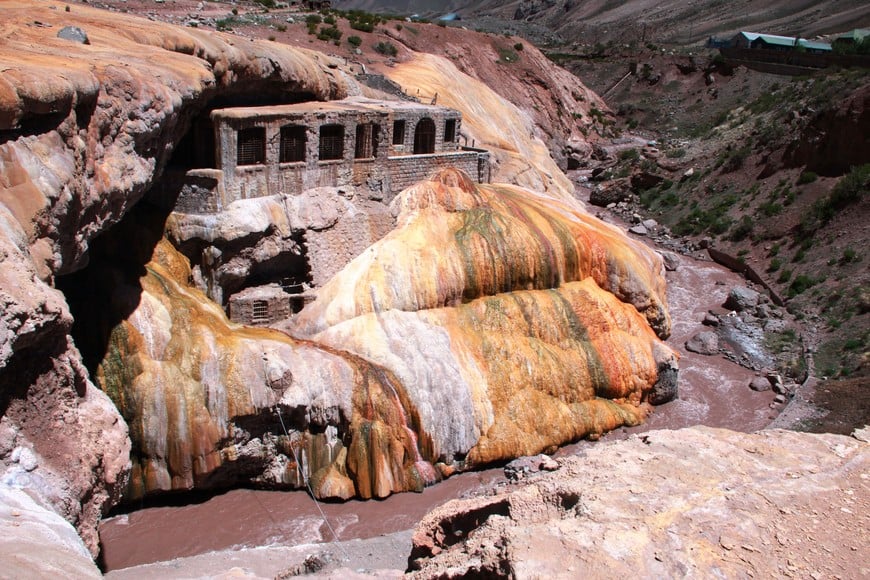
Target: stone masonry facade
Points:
(377, 147)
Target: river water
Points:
(713, 392)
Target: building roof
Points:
(813, 45)
(789, 41)
(856, 35)
(351, 104)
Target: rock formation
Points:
(482, 297)
(85, 130)
(694, 502)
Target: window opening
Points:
(252, 146)
(293, 139)
(260, 311)
(366, 141)
(424, 137)
(331, 142)
(399, 132)
(449, 130)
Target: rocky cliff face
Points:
(86, 131)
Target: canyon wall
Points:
(84, 130)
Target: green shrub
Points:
(675, 153)
(774, 265)
(386, 48)
(742, 230)
(849, 255)
(507, 55)
(801, 284)
(851, 188)
(329, 33)
(518, 46)
(354, 41)
(629, 154)
(784, 276)
(806, 177)
(734, 160)
(770, 208)
(313, 19)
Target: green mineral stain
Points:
(486, 224)
(579, 334)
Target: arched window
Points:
(331, 142)
(424, 136)
(251, 146)
(293, 139)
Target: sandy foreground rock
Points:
(694, 502)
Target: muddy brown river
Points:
(713, 392)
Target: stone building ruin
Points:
(373, 148)
(378, 147)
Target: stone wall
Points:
(408, 170)
(273, 177)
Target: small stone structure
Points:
(377, 147)
(262, 305)
(372, 148)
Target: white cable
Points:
(308, 487)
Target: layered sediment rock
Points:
(694, 502)
(208, 402)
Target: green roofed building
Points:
(775, 42)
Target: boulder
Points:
(521, 467)
(741, 298)
(666, 388)
(759, 384)
(73, 33)
(604, 196)
(645, 180)
(639, 230)
(710, 319)
(670, 259)
(705, 342)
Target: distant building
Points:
(853, 38)
(756, 40)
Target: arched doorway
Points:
(424, 136)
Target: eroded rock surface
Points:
(492, 323)
(36, 542)
(695, 502)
